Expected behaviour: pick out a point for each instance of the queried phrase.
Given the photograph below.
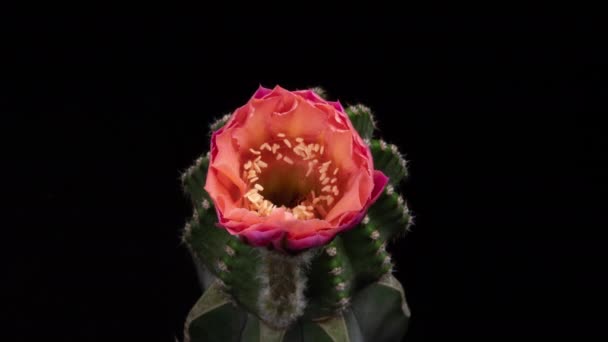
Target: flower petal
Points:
(297, 114)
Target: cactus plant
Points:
(343, 290)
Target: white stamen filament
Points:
(262, 164)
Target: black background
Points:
(499, 117)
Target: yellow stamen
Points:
(308, 151)
(333, 180)
(262, 164)
(309, 169)
(287, 160)
(248, 193)
(321, 210)
(247, 165)
(254, 179)
(279, 156)
(255, 198)
(265, 146)
(336, 171)
(281, 135)
(326, 188)
(254, 151)
(275, 147)
(325, 181)
(259, 187)
(287, 143)
(299, 151)
(323, 168)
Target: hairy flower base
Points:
(293, 174)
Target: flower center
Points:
(293, 174)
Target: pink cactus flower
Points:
(289, 171)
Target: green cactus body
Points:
(343, 291)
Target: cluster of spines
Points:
(219, 123)
(320, 92)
